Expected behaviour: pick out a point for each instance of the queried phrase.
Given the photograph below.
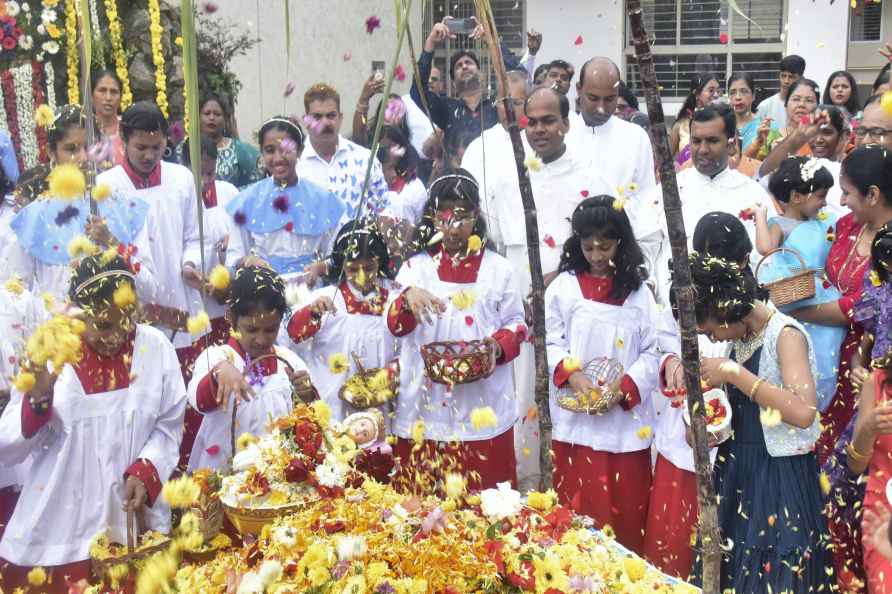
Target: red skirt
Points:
(611, 488)
(483, 463)
(59, 577)
(671, 519)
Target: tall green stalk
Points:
(190, 73)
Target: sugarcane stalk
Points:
(485, 16)
(86, 54)
(682, 285)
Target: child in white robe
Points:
(249, 372)
(347, 317)
(599, 306)
(456, 290)
(103, 435)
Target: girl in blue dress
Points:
(766, 475)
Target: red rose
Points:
(376, 464)
(523, 122)
(9, 43)
(296, 471)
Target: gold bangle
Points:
(755, 388)
(852, 453)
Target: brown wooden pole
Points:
(710, 536)
(484, 15)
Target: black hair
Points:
(67, 117)
(99, 293)
(32, 184)
(803, 82)
(722, 235)
(223, 103)
(98, 75)
(563, 102)
(723, 291)
(562, 64)
(453, 186)
(698, 83)
(282, 124)
(626, 93)
(838, 119)
(794, 64)
(868, 166)
(542, 70)
(359, 239)
(881, 252)
(208, 150)
(882, 78)
(745, 77)
(406, 165)
(143, 116)
(790, 177)
(254, 289)
(597, 216)
(458, 56)
(716, 111)
(853, 102)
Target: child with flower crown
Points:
(599, 307)
(98, 408)
(346, 320)
(456, 291)
(249, 376)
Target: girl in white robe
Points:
(456, 290)
(230, 375)
(347, 317)
(102, 435)
(599, 306)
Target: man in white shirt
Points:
(620, 151)
(331, 161)
(792, 68)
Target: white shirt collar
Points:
(310, 150)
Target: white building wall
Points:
(819, 33)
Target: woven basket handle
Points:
(248, 368)
(358, 363)
(775, 250)
(131, 528)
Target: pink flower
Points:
(395, 111)
(240, 218)
(435, 521)
(371, 24)
(399, 72)
(723, 38)
(289, 88)
(209, 7)
(288, 146)
(578, 40)
(346, 57)
(312, 124)
(177, 133)
(281, 203)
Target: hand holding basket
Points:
(787, 290)
(604, 375)
(459, 362)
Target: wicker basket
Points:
(792, 288)
(462, 362)
(252, 520)
(719, 431)
(362, 401)
(603, 373)
(209, 512)
(101, 567)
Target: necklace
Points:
(746, 347)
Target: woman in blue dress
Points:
(766, 475)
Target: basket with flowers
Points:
(111, 562)
(207, 508)
(605, 375)
(371, 387)
(459, 362)
(718, 415)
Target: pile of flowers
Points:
(371, 388)
(375, 540)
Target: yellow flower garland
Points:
(158, 55)
(114, 28)
(71, 52)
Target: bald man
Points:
(875, 126)
(621, 151)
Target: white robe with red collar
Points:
(353, 328)
(496, 312)
(81, 452)
(272, 399)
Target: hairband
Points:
(287, 123)
(102, 275)
(456, 176)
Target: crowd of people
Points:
(160, 318)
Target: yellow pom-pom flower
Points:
(37, 576)
(219, 278)
(44, 116)
(24, 382)
(124, 297)
(67, 181)
(482, 418)
(533, 163)
(463, 300)
(14, 285)
(181, 492)
(101, 192)
(542, 501)
(886, 102)
(244, 440)
(770, 417)
(572, 364)
(198, 323)
(644, 432)
(81, 247)
(323, 412)
(337, 363)
(474, 243)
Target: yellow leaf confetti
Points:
(875, 278)
(824, 480)
(455, 485)
(619, 203)
(533, 163)
(418, 432)
(463, 300)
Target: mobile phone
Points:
(378, 69)
(461, 26)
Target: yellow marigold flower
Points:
(179, 41)
(634, 568)
(67, 181)
(53, 30)
(376, 572)
(632, 187)
(875, 278)
(198, 323)
(549, 573)
(37, 576)
(572, 364)
(44, 116)
(219, 277)
(533, 163)
(124, 297)
(770, 417)
(117, 573)
(455, 485)
(474, 243)
(418, 432)
(14, 285)
(101, 192)
(80, 247)
(181, 492)
(481, 418)
(355, 585)
(824, 481)
(244, 440)
(323, 412)
(463, 300)
(822, 216)
(619, 203)
(542, 501)
(24, 382)
(337, 363)
(644, 432)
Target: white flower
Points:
(251, 584)
(51, 47)
(270, 572)
(296, 294)
(26, 42)
(26, 7)
(12, 8)
(809, 168)
(351, 547)
(41, 29)
(501, 503)
(246, 459)
(285, 536)
(48, 16)
(332, 473)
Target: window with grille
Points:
(693, 37)
(866, 21)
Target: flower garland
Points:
(71, 53)
(12, 114)
(155, 31)
(3, 125)
(21, 76)
(94, 24)
(39, 99)
(114, 29)
(49, 75)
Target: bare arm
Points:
(826, 314)
(874, 419)
(768, 237)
